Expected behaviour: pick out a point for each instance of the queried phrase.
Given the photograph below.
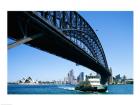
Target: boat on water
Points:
(91, 84)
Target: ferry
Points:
(96, 85)
(91, 84)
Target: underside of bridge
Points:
(25, 27)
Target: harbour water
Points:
(64, 89)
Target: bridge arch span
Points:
(52, 27)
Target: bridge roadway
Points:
(48, 38)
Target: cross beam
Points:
(24, 40)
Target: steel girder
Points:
(76, 29)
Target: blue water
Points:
(63, 89)
(120, 89)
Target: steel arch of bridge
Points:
(78, 31)
(53, 31)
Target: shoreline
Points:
(36, 84)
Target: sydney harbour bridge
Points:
(63, 33)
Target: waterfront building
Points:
(124, 79)
(118, 79)
(58, 82)
(80, 78)
(118, 76)
(129, 81)
(75, 81)
(36, 82)
(71, 78)
(110, 81)
(28, 80)
(65, 80)
(21, 81)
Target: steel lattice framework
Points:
(63, 33)
(77, 30)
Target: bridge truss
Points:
(69, 23)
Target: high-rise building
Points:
(71, 78)
(124, 79)
(65, 80)
(80, 78)
(111, 77)
(118, 79)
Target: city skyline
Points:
(81, 76)
(27, 61)
(70, 78)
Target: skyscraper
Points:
(80, 78)
(65, 80)
(124, 79)
(111, 77)
(71, 78)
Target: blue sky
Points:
(115, 32)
